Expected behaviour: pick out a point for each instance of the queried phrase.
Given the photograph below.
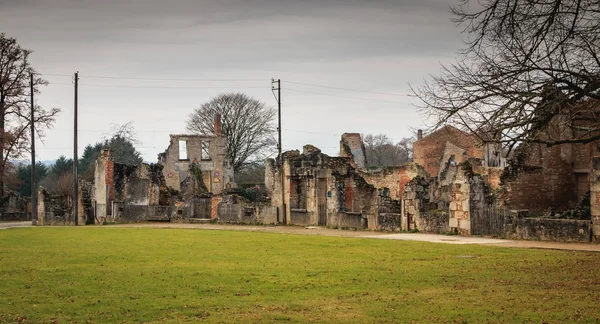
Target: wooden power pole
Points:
(33, 182)
(280, 147)
(75, 186)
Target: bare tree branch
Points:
(245, 121)
(530, 72)
(15, 110)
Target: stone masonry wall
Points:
(429, 150)
(353, 147)
(415, 202)
(542, 180)
(435, 221)
(595, 198)
(459, 207)
(215, 164)
(544, 229)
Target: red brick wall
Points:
(214, 206)
(429, 150)
(581, 155)
(110, 178)
(551, 185)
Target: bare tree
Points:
(245, 121)
(527, 64)
(381, 151)
(405, 147)
(15, 71)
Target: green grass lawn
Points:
(107, 274)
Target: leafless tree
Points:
(15, 70)
(381, 151)
(405, 148)
(64, 184)
(527, 65)
(245, 121)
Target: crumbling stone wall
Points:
(58, 210)
(415, 202)
(394, 179)
(490, 175)
(434, 221)
(15, 207)
(216, 169)
(118, 188)
(429, 150)
(54, 210)
(104, 185)
(595, 198)
(537, 178)
(479, 195)
(352, 146)
(85, 202)
(330, 187)
(234, 209)
(459, 206)
(546, 229)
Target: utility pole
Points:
(279, 145)
(33, 182)
(75, 186)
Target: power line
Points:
(165, 87)
(54, 74)
(317, 133)
(326, 94)
(168, 79)
(347, 89)
(156, 87)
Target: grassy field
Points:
(107, 274)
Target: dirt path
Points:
(313, 230)
(446, 239)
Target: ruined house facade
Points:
(449, 143)
(337, 191)
(190, 182)
(463, 187)
(207, 153)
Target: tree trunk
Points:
(2, 139)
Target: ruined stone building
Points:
(450, 143)
(541, 177)
(337, 191)
(180, 186)
(207, 152)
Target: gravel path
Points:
(314, 230)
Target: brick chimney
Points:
(419, 134)
(218, 124)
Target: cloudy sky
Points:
(153, 61)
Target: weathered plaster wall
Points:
(218, 172)
(595, 197)
(352, 146)
(393, 178)
(103, 184)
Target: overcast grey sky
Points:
(371, 45)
